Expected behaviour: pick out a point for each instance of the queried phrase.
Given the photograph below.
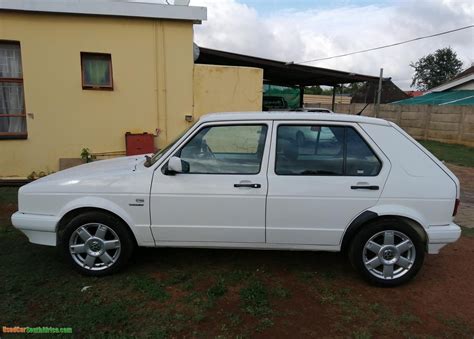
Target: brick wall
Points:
(451, 124)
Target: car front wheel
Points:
(387, 252)
(96, 243)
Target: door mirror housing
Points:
(175, 165)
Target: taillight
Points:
(456, 206)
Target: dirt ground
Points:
(233, 293)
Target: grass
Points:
(452, 153)
(467, 232)
(8, 195)
(196, 293)
(255, 298)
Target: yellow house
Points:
(80, 74)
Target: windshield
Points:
(157, 156)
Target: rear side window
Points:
(324, 150)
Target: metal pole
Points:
(379, 94)
(333, 98)
(301, 96)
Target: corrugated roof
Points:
(461, 97)
(119, 8)
(281, 73)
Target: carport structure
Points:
(285, 74)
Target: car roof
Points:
(282, 115)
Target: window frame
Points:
(93, 87)
(344, 155)
(15, 135)
(267, 125)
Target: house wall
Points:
(155, 85)
(226, 89)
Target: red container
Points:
(142, 143)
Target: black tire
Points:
(358, 254)
(115, 229)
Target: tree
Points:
(435, 69)
(313, 90)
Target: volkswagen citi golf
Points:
(246, 180)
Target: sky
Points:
(300, 30)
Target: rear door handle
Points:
(372, 188)
(248, 185)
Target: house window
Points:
(12, 102)
(97, 71)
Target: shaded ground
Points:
(229, 293)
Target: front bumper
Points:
(40, 229)
(440, 236)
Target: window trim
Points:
(200, 128)
(344, 159)
(92, 87)
(15, 135)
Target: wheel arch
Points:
(73, 212)
(368, 217)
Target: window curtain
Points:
(97, 71)
(11, 93)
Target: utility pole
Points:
(379, 94)
(333, 97)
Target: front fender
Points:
(97, 202)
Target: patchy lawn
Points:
(452, 153)
(231, 293)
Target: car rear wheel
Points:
(387, 252)
(97, 244)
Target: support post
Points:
(333, 98)
(302, 96)
(379, 94)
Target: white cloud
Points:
(293, 35)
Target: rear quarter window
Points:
(401, 151)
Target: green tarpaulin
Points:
(290, 94)
(461, 97)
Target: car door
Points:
(222, 195)
(321, 182)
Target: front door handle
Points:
(369, 187)
(248, 185)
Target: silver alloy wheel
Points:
(94, 246)
(389, 254)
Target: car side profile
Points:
(242, 180)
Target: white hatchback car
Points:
(237, 180)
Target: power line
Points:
(385, 46)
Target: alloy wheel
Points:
(94, 246)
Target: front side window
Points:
(323, 150)
(96, 71)
(12, 102)
(234, 149)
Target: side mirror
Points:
(175, 165)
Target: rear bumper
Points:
(440, 236)
(40, 229)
